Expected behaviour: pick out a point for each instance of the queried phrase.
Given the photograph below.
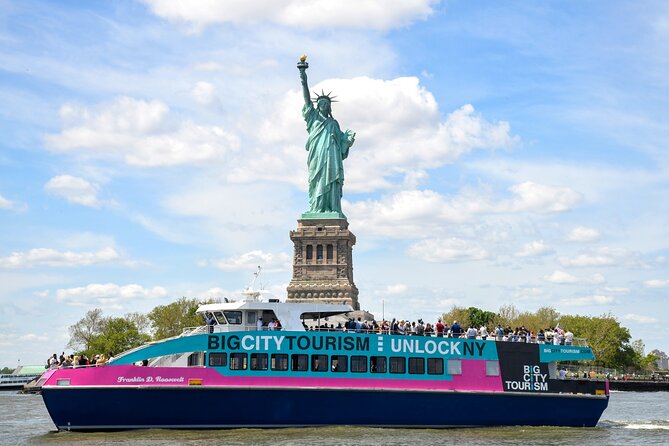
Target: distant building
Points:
(662, 359)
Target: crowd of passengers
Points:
(557, 335)
(74, 361)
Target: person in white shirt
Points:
(259, 324)
(568, 338)
(483, 332)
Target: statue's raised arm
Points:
(302, 65)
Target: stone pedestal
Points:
(323, 262)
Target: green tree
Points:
(170, 320)
(6, 371)
(478, 317)
(86, 329)
(607, 338)
(456, 313)
(117, 335)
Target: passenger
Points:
(259, 324)
(563, 373)
(440, 328)
(568, 338)
(211, 322)
(145, 362)
(339, 327)
(499, 332)
(456, 329)
(483, 332)
(541, 337)
(429, 331)
(471, 332)
(53, 361)
(420, 328)
(272, 324)
(277, 325)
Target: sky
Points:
(506, 153)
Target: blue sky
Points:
(506, 153)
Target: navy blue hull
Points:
(211, 407)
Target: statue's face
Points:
(324, 106)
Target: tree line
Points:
(610, 342)
(98, 334)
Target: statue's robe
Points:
(327, 146)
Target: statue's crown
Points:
(318, 97)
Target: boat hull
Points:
(195, 407)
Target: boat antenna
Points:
(250, 291)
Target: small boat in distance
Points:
(21, 376)
(258, 363)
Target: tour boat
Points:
(233, 371)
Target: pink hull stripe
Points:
(473, 378)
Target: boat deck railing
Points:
(578, 342)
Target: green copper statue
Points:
(327, 146)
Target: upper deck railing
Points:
(578, 342)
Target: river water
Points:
(632, 418)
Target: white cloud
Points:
(51, 257)
(74, 189)
(315, 14)
(533, 196)
(139, 132)
(400, 132)
(5, 203)
(639, 318)
(108, 295)
(534, 249)
(447, 250)
(561, 277)
(409, 212)
(583, 234)
(398, 288)
(203, 93)
(656, 283)
(603, 256)
(269, 262)
(587, 300)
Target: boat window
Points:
(218, 359)
(416, 366)
(454, 367)
(492, 368)
(398, 365)
(251, 317)
(435, 366)
(238, 361)
(359, 364)
(377, 364)
(339, 363)
(299, 363)
(196, 359)
(319, 363)
(280, 362)
(258, 361)
(233, 317)
(220, 318)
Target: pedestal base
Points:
(322, 262)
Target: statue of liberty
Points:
(328, 147)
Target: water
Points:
(632, 418)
